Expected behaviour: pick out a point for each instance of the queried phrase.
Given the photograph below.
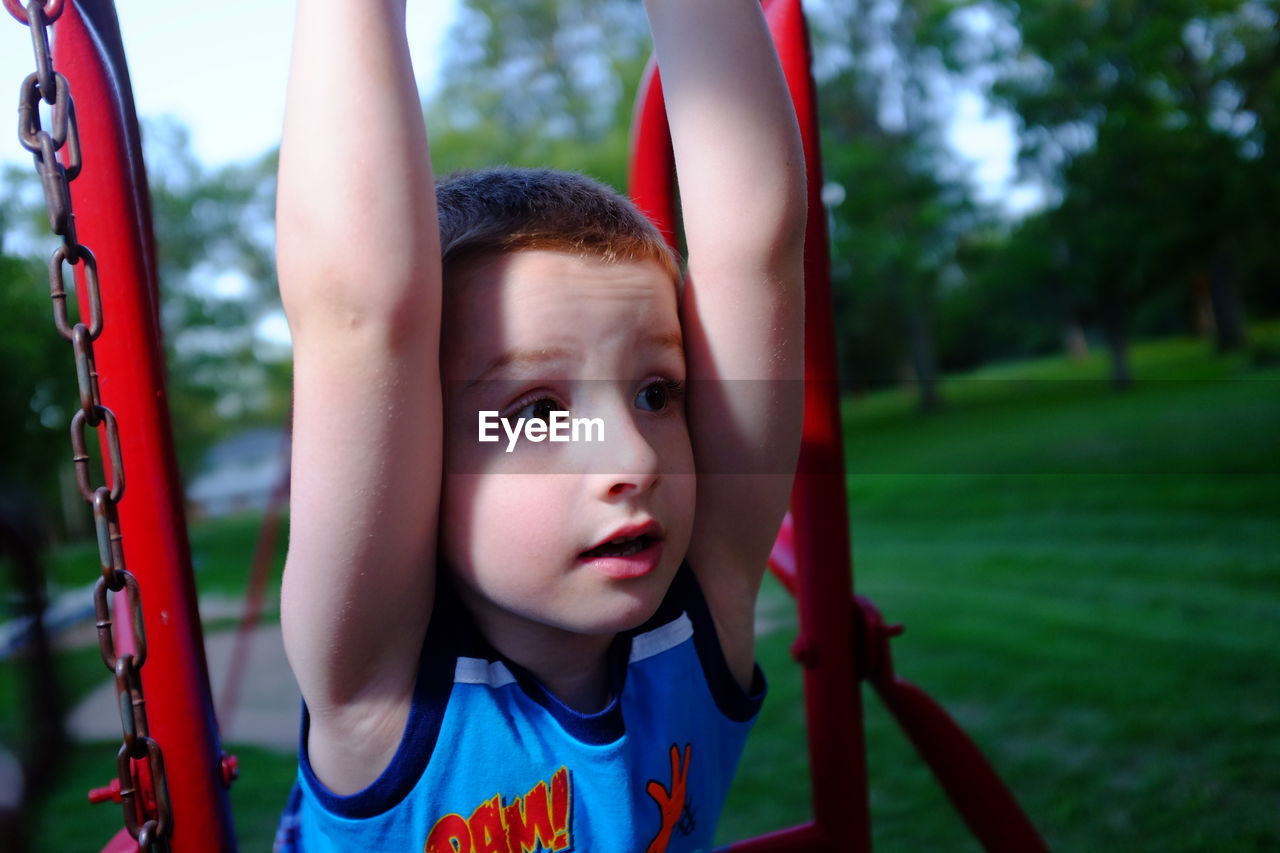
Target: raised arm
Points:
(740, 168)
(359, 269)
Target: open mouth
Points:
(623, 546)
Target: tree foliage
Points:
(1150, 121)
(897, 211)
(214, 243)
(540, 83)
(39, 391)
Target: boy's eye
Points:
(536, 410)
(657, 396)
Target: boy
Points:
(521, 645)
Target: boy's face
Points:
(531, 532)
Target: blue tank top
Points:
(490, 762)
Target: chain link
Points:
(51, 10)
(58, 292)
(144, 789)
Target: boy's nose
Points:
(624, 484)
(627, 464)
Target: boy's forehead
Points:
(555, 303)
(522, 268)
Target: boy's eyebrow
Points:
(667, 340)
(521, 358)
(536, 357)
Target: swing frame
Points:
(842, 639)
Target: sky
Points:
(220, 69)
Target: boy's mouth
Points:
(626, 542)
(624, 546)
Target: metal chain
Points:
(140, 763)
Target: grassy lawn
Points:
(1090, 583)
(65, 821)
(221, 550)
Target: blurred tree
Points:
(1018, 299)
(1150, 121)
(214, 244)
(900, 215)
(39, 391)
(540, 83)
(1246, 72)
(215, 239)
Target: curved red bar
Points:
(823, 582)
(811, 556)
(113, 217)
(651, 181)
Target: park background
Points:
(1062, 409)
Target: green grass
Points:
(65, 820)
(1090, 583)
(221, 552)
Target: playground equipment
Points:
(842, 638)
(172, 774)
(170, 777)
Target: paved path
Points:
(266, 715)
(267, 712)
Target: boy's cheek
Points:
(684, 488)
(473, 508)
(676, 448)
(502, 453)
(487, 503)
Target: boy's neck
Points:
(580, 680)
(572, 667)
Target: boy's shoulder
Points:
(483, 731)
(674, 654)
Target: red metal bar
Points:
(821, 542)
(819, 512)
(824, 585)
(825, 644)
(114, 219)
(651, 181)
(838, 644)
(979, 796)
(782, 560)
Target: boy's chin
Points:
(620, 612)
(592, 609)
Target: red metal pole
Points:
(651, 181)
(824, 588)
(978, 794)
(841, 639)
(823, 581)
(113, 218)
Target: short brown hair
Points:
(496, 211)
